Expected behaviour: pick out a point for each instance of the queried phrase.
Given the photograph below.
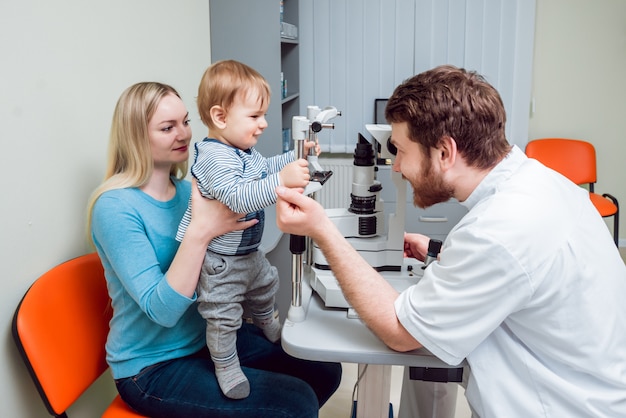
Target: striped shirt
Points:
(244, 181)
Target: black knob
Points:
(316, 126)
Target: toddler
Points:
(232, 101)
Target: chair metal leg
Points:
(615, 218)
(616, 227)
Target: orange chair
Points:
(576, 160)
(60, 328)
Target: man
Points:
(529, 286)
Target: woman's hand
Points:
(214, 216)
(209, 219)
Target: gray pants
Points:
(226, 284)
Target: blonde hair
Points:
(129, 162)
(225, 80)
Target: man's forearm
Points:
(365, 289)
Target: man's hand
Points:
(415, 246)
(364, 288)
(298, 214)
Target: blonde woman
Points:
(156, 346)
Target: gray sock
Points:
(269, 323)
(230, 377)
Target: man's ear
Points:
(218, 116)
(447, 153)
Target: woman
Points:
(156, 345)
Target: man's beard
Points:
(430, 188)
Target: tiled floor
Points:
(339, 406)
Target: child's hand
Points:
(310, 144)
(295, 174)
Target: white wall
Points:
(579, 82)
(63, 65)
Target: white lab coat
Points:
(529, 289)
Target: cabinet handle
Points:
(433, 219)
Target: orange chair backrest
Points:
(573, 158)
(61, 326)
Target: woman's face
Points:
(169, 132)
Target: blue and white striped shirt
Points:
(244, 181)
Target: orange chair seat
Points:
(119, 409)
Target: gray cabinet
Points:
(290, 62)
(250, 32)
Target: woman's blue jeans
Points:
(281, 386)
